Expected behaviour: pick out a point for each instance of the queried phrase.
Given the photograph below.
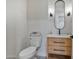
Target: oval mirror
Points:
(59, 14)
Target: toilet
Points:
(30, 52)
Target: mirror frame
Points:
(55, 13)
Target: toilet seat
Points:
(28, 52)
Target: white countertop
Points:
(57, 35)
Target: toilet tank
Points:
(35, 39)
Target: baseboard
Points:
(13, 57)
(10, 57)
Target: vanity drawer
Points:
(59, 50)
(60, 42)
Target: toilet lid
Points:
(27, 51)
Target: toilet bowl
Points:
(27, 53)
(30, 52)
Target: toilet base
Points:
(34, 58)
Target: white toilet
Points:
(30, 52)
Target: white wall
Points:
(38, 21)
(11, 28)
(16, 20)
(21, 25)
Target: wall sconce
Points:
(68, 14)
(51, 15)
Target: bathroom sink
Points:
(57, 35)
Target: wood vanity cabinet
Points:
(59, 46)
